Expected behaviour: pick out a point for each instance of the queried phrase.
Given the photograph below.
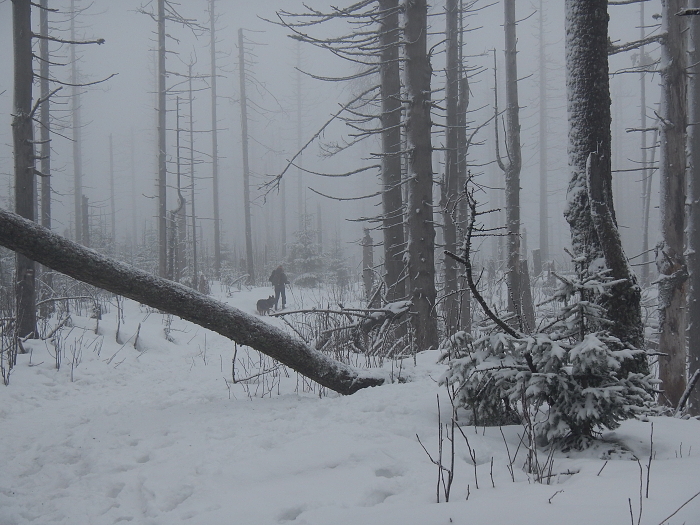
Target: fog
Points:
(124, 107)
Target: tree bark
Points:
(544, 185)
(646, 172)
(46, 285)
(86, 265)
(517, 299)
(392, 200)
(45, 117)
(465, 311)
(76, 133)
(625, 298)
(250, 266)
(162, 166)
(421, 229)
(670, 260)
(588, 106)
(112, 199)
(590, 210)
(301, 208)
(23, 142)
(214, 141)
(694, 206)
(450, 187)
(368, 264)
(195, 269)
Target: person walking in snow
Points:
(278, 280)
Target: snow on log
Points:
(84, 264)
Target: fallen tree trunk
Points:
(83, 264)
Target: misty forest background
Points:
(237, 149)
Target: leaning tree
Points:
(56, 252)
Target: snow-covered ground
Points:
(160, 435)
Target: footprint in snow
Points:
(387, 472)
(291, 514)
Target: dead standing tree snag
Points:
(74, 260)
(590, 211)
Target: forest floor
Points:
(160, 435)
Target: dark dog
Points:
(265, 305)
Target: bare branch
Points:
(613, 49)
(98, 41)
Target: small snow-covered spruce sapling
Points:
(568, 373)
(572, 377)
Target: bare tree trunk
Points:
(646, 172)
(694, 205)
(670, 260)
(195, 269)
(214, 142)
(162, 166)
(301, 211)
(450, 187)
(44, 117)
(89, 266)
(112, 200)
(544, 185)
(45, 140)
(368, 264)
(594, 232)
(85, 208)
(283, 219)
(23, 143)
(465, 311)
(512, 171)
(319, 227)
(134, 214)
(179, 216)
(250, 263)
(517, 299)
(421, 229)
(392, 200)
(590, 119)
(76, 133)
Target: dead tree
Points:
(195, 269)
(214, 141)
(76, 122)
(45, 115)
(301, 208)
(178, 216)
(590, 212)
(368, 264)
(419, 212)
(112, 198)
(45, 140)
(250, 263)
(23, 143)
(54, 251)
(544, 184)
(462, 150)
(646, 194)
(693, 251)
(392, 200)
(511, 168)
(450, 186)
(670, 259)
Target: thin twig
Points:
(679, 508)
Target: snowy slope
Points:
(159, 435)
